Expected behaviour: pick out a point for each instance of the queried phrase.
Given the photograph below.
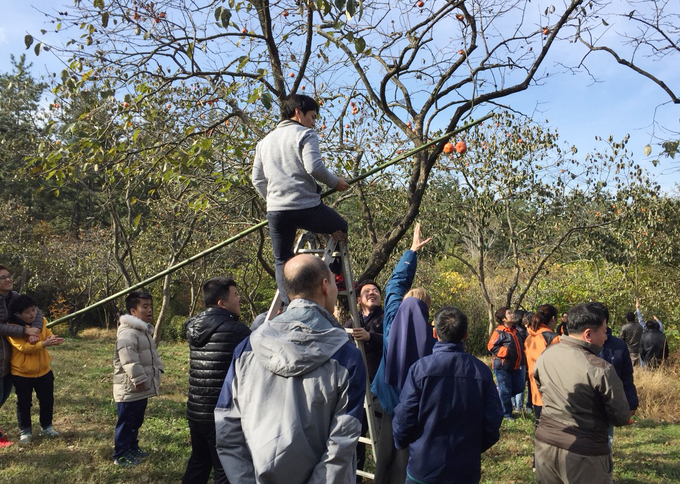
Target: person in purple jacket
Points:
(449, 410)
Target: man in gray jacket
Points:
(290, 408)
(286, 169)
(582, 395)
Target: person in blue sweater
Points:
(390, 462)
(449, 410)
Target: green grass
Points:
(85, 414)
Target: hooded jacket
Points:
(291, 406)
(535, 344)
(582, 395)
(395, 290)
(213, 335)
(135, 361)
(12, 330)
(287, 166)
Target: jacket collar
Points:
(135, 323)
(309, 304)
(441, 346)
(583, 344)
(504, 328)
(221, 311)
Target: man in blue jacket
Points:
(615, 351)
(449, 410)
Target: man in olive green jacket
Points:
(582, 395)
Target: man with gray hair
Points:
(291, 406)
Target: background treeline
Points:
(520, 219)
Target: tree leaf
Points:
(28, 40)
(105, 19)
(360, 45)
(37, 48)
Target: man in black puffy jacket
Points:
(213, 335)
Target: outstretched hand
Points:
(418, 241)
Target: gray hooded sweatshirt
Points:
(291, 406)
(287, 166)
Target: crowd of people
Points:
(282, 401)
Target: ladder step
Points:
(365, 474)
(310, 251)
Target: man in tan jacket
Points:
(137, 372)
(581, 395)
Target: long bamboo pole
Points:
(263, 223)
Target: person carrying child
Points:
(31, 369)
(137, 372)
(286, 169)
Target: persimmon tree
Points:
(518, 200)
(420, 69)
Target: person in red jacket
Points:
(507, 354)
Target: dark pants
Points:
(390, 466)
(44, 390)
(510, 383)
(203, 455)
(5, 388)
(283, 227)
(130, 418)
(537, 418)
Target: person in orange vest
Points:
(507, 353)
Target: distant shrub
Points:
(173, 330)
(659, 392)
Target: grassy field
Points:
(85, 414)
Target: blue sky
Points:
(578, 108)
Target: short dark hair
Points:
(603, 308)
(368, 282)
(3, 268)
(20, 304)
(133, 299)
(298, 101)
(539, 319)
(307, 279)
(584, 316)
(547, 310)
(500, 314)
(630, 316)
(451, 324)
(518, 315)
(215, 289)
(651, 324)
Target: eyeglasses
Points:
(3, 278)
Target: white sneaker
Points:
(25, 438)
(50, 432)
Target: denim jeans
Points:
(283, 227)
(518, 398)
(510, 383)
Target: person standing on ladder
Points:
(286, 170)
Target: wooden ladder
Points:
(308, 243)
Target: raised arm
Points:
(401, 279)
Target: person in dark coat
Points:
(213, 336)
(653, 345)
(449, 411)
(615, 351)
(371, 316)
(631, 332)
